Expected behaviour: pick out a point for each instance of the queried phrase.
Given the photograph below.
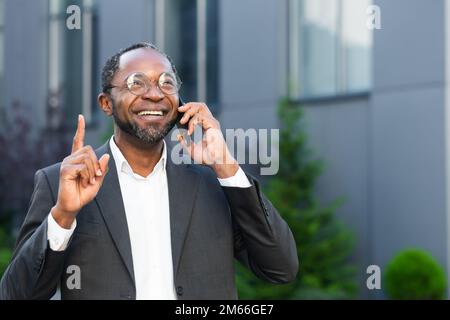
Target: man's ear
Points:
(105, 103)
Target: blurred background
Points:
(372, 107)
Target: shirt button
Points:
(180, 290)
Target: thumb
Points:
(184, 144)
(103, 161)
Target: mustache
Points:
(149, 134)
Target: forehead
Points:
(145, 60)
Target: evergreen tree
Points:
(324, 245)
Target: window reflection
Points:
(2, 54)
(190, 37)
(71, 63)
(330, 47)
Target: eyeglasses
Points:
(139, 84)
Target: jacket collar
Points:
(182, 180)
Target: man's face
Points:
(127, 106)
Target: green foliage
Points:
(324, 245)
(23, 151)
(414, 274)
(108, 132)
(5, 250)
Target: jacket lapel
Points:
(109, 200)
(182, 181)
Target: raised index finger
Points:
(78, 139)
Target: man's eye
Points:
(136, 83)
(168, 84)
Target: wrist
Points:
(227, 169)
(64, 218)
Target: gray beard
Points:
(149, 135)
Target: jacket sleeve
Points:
(34, 270)
(263, 241)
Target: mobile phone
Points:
(182, 128)
(180, 115)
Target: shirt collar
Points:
(123, 165)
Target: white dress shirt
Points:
(146, 203)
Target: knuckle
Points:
(84, 172)
(88, 163)
(87, 156)
(87, 166)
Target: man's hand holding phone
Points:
(212, 149)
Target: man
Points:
(138, 226)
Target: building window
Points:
(187, 30)
(329, 48)
(2, 54)
(71, 63)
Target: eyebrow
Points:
(143, 73)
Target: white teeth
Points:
(150, 113)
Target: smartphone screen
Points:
(180, 115)
(182, 128)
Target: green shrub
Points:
(324, 243)
(414, 274)
(5, 251)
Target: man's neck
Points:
(142, 157)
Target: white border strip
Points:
(294, 49)
(160, 23)
(447, 134)
(87, 21)
(201, 50)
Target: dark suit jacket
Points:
(209, 224)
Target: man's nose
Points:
(153, 93)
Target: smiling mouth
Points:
(150, 113)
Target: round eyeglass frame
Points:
(147, 83)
